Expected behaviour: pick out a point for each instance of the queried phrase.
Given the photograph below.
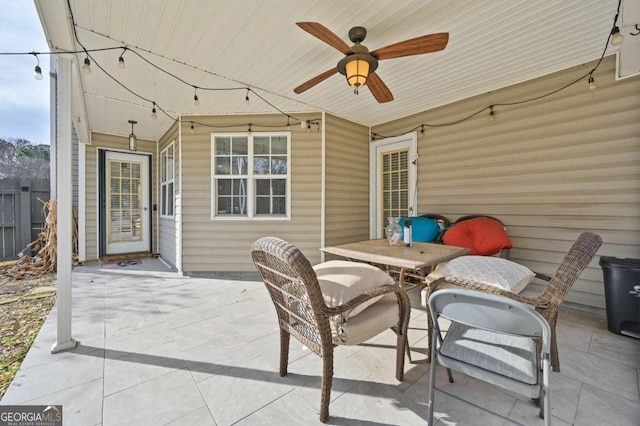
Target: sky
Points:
(24, 101)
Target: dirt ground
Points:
(24, 305)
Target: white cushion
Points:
(342, 280)
(495, 271)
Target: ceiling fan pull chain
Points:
(355, 90)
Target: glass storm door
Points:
(127, 203)
(395, 178)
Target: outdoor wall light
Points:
(133, 141)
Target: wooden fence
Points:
(21, 215)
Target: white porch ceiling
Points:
(246, 43)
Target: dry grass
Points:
(24, 305)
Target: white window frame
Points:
(164, 200)
(251, 178)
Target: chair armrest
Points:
(452, 281)
(376, 292)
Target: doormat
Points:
(121, 263)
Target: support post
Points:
(64, 156)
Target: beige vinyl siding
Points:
(548, 169)
(102, 141)
(167, 232)
(347, 181)
(224, 245)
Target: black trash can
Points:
(622, 294)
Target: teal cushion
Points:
(424, 229)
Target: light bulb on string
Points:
(492, 115)
(592, 83)
(86, 68)
(246, 98)
(196, 101)
(249, 128)
(288, 124)
(616, 36)
(422, 130)
(309, 127)
(191, 128)
(121, 58)
(37, 71)
(154, 115)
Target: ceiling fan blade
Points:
(415, 46)
(326, 35)
(315, 80)
(378, 89)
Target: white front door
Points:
(127, 203)
(393, 181)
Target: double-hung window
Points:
(167, 179)
(250, 175)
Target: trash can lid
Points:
(616, 262)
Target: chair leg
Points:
(285, 337)
(555, 359)
(450, 375)
(327, 380)
(401, 344)
(432, 376)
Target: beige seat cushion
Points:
(368, 323)
(342, 280)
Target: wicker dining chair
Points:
(303, 313)
(547, 303)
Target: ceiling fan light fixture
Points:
(357, 67)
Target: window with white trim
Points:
(250, 175)
(167, 178)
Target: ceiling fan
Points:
(359, 64)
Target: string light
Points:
(154, 115)
(249, 128)
(422, 131)
(121, 58)
(288, 124)
(191, 129)
(592, 86)
(246, 98)
(616, 36)
(86, 68)
(308, 127)
(196, 101)
(492, 115)
(37, 71)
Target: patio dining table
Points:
(410, 264)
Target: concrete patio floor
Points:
(160, 349)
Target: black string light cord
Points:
(376, 136)
(290, 119)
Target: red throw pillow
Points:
(483, 235)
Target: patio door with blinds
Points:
(125, 203)
(393, 180)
